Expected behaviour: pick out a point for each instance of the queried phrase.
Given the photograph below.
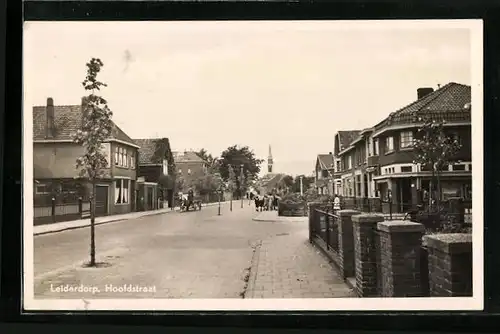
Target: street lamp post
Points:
(242, 177)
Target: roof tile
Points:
(67, 120)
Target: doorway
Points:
(101, 200)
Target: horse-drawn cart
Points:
(190, 202)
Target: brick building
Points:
(189, 166)
(378, 162)
(324, 174)
(54, 162)
(156, 174)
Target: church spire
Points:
(270, 161)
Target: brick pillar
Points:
(313, 219)
(346, 242)
(400, 248)
(365, 258)
(450, 264)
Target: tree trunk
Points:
(92, 224)
(438, 201)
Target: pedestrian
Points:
(336, 203)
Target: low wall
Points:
(392, 258)
(292, 210)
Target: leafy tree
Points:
(286, 183)
(236, 156)
(96, 129)
(208, 158)
(163, 151)
(307, 181)
(434, 150)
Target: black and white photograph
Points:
(253, 165)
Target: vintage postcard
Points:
(253, 165)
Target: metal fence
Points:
(324, 226)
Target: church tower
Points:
(270, 161)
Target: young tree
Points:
(434, 150)
(96, 129)
(231, 183)
(237, 156)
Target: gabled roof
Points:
(326, 161)
(148, 149)
(452, 97)
(347, 137)
(67, 120)
(187, 156)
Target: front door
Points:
(101, 200)
(150, 198)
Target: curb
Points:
(111, 221)
(254, 263)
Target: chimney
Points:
(421, 92)
(49, 129)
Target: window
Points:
(324, 173)
(389, 144)
(120, 156)
(117, 153)
(349, 161)
(406, 169)
(165, 167)
(132, 160)
(458, 167)
(180, 171)
(121, 191)
(375, 147)
(338, 166)
(370, 147)
(406, 139)
(189, 171)
(41, 189)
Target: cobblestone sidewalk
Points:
(288, 266)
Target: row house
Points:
(379, 162)
(344, 168)
(54, 162)
(324, 174)
(156, 178)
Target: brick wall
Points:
(394, 258)
(450, 264)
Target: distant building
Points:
(189, 166)
(324, 174)
(270, 161)
(156, 173)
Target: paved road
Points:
(179, 255)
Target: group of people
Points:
(268, 202)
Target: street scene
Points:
(251, 161)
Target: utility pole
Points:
(301, 187)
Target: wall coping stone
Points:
(450, 243)
(400, 226)
(368, 218)
(348, 212)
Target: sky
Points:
(211, 85)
